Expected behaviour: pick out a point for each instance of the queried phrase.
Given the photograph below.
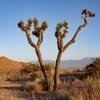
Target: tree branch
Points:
(76, 34)
(30, 40)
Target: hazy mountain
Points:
(8, 64)
(71, 63)
(76, 63)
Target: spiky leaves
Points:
(65, 25)
(36, 22)
(44, 25)
(30, 21)
(59, 27)
(24, 27)
(87, 13)
(21, 25)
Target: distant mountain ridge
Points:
(71, 63)
(76, 63)
(8, 63)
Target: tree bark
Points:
(61, 50)
(56, 76)
(37, 50)
(42, 67)
(30, 40)
(76, 34)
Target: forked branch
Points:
(75, 35)
(59, 35)
(38, 32)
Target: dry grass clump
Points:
(80, 90)
(29, 68)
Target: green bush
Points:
(49, 67)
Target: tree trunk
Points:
(56, 76)
(62, 49)
(39, 59)
(42, 67)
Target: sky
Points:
(13, 42)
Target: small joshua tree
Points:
(38, 32)
(61, 35)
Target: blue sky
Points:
(13, 43)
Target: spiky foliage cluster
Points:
(30, 21)
(21, 25)
(44, 25)
(65, 24)
(59, 26)
(36, 22)
(87, 13)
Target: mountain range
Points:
(8, 66)
(6, 62)
(71, 63)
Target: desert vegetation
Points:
(94, 68)
(27, 83)
(42, 81)
(60, 35)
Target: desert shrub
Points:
(50, 72)
(93, 69)
(49, 67)
(29, 68)
(37, 74)
(97, 85)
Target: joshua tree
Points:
(61, 35)
(38, 32)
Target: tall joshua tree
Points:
(38, 32)
(61, 35)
